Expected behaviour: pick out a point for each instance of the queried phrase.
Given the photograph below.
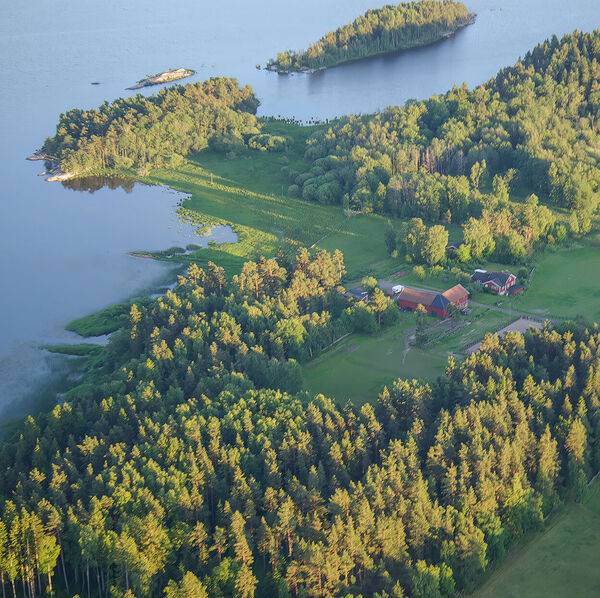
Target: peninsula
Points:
(164, 77)
(379, 31)
(261, 412)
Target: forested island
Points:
(189, 462)
(379, 31)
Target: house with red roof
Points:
(497, 282)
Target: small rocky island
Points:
(164, 77)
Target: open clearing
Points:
(249, 192)
(520, 325)
(561, 561)
(359, 366)
(566, 284)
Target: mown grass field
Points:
(249, 192)
(561, 561)
(567, 284)
(359, 366)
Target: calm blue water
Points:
(63, 253)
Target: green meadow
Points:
(566, 284)
(358, 367)
(249, 193)
(560, 561)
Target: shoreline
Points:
(163, 77)
(59, 175)
(54, 173)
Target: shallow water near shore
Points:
(63, 254)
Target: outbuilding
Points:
(358, 295)
(458, 296)
(435, 303)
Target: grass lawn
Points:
(566, 283)
(249, 192)
(359, 366)
(561, 561)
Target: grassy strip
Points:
(105, 321)
(81, 350)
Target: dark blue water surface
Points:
(63, 252)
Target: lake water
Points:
(63, 253)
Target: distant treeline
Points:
(184, 469)
(155, 131)
(381, 30)
(532, 129)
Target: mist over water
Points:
(63, 253)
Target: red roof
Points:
(456, 293)
(423, 298)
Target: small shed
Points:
(358, 295)
(454, 247)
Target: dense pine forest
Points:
(459, 157)
(190, 463)
(155, 131)
(190, 466)
(387, 29)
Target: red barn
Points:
(435, 303)
(458, 295)
(498, 282)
